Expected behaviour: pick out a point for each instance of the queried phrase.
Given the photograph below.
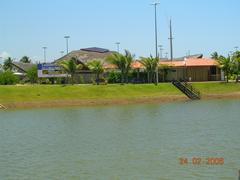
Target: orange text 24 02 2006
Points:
(202, 161)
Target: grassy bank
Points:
(48, 95)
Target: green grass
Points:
(44, 93)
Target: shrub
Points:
(32, 75)
(8, 78)
(114, 77)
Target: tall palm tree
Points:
(165, 69)
(25, 59)
(226, 65)
(129, 58)
(71, 67)
(215, 55)
(123, 63)
(150, 64)
(97, 67)
(236, 61)
(7, 65)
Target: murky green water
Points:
(126, 142)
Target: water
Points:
(122, 142)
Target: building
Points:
(20, 69)
(86, 55)
(192, 68)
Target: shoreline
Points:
(109, 102)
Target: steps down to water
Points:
(187, 89)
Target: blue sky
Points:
(201, 26)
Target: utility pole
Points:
(44, 54)
(67, 37)
(166, 55)
(156, 38)
(118, 46)
(160, 50)
(171, 40)
(61, 52)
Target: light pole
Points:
(236, 48)
(62, 52)
(44, 54)
(160, 50)
(118, 46)
(156, 37)
(166, 55)
(67, 37)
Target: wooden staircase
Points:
(187, 89)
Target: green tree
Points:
(25, 59)
(150, 64)
(96, 66)
(8, 78)
(236, 62)
(7, 65)
(165, 69)
(226, 65)
(32, 75)
(71, 67)
(123, 63)
(215, 55)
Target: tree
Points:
(150, 64)
(32, 75)
(8, 78)
(215, 56)
(97, 67)
(236, 62)
(25, 59)
(226, 65)
(165, 69)
(123, 63)
(71, 67)
(129, 60)
(7, 65)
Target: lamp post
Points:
(118, 46)
(67, 38)
(61, 52)
(44, 54)
(156, 38)
(160, 50)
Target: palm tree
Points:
(236, 61)
(97, 67)
(165, 69)
(123, 63)
(71, 67)
(150, 65)
(226, 65)
(215, 56)
(7, 65)
(25, 59)
(129, 58)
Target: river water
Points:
(122, 142)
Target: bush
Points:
(8, 78)
(32, 75)
(114, 77)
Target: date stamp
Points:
(199, 161)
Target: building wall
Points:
(194, 73)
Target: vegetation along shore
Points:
(46, 96)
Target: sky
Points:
(199, 26)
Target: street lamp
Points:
(156, 37)
(62, 52)
(160, 50)
(67, 37)
(118, 46)
(44, 54)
